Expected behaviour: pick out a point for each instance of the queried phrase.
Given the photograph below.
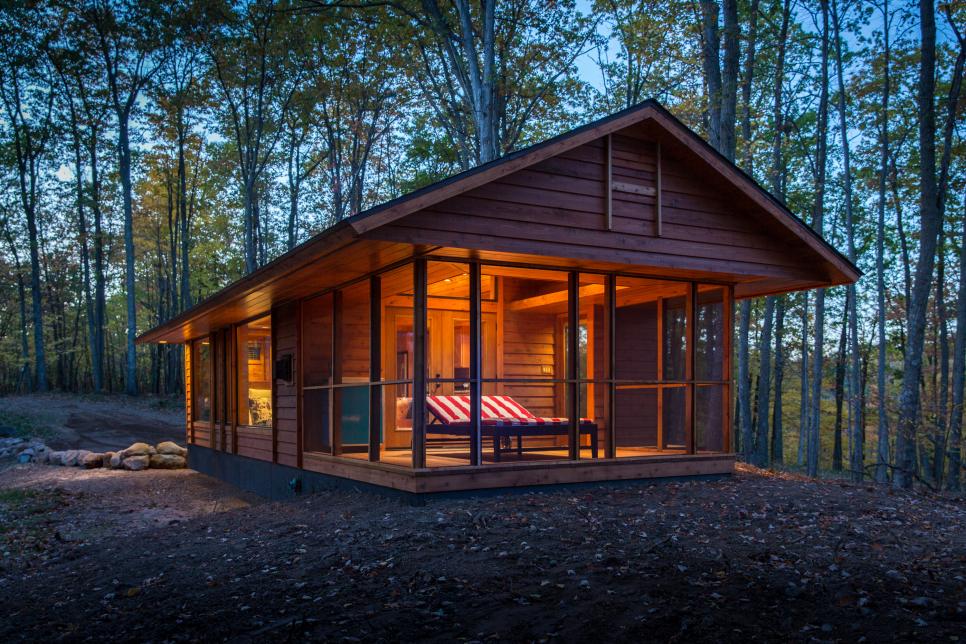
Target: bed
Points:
(501, 419)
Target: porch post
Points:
(375, 366)
(689, 398)
(419, 363)
(476, 327)
(728, 398)
(610, 304)
(573, 367)
(335, 396)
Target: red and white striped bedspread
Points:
(501, 411)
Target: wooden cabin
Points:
(563, 314)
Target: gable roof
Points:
(354, 228)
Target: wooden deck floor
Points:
(460, 457)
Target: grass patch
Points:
(21, 425)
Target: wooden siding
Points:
(285, 413)
(189, 438)
(557, 208)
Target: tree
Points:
(931, 220)
(27, 92)
(818, 216)
(130, 46)
(249, 51)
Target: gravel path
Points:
(757, 557)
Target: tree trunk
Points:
(909, 396)
(820, 162)
(764, 385)
(803, 433)
(839, 399)
(124, 169)
(942, 402)
(882, 433)
(777, 438)
(953, 478)
(744, 380)
(857, 448)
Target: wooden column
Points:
(335, 396)
(573, 365)
(610, 403)
(476, 342)
(233, 386)
(609, 184)
(728, 309)
(273, 382)
(659, 398)
(689, 398)
(375, 366)
(419, 363)
(297, 379)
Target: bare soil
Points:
(756, 557)
(96, 423)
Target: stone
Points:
(137, 449)
(81, 455)
(169, 447)
(92, 460)
(106, 461)
(116, 461)
(167, 461)
(70, 457)
(137, 463)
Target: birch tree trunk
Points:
(818, 221)
(909, 396)
(882, 433)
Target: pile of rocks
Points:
(23, 450)
(139, 456)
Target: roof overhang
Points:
(344, 251)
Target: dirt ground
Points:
(163, 555)
(96, 423)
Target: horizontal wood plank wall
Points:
(636, 359)
(189, 436)
(557, 208)
(528, 347)
(285, 328)
(255, 442)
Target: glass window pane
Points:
(316, 436)
(201, 380)
(352, 343)
(317, 341)
(674, 338)
(635, 420)
(254, 342)
(396, 289)
(710, 416)
(709, 341)
(673, 429)
(351, 405)
(528, 402)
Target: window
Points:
(525, 405)
(254, 342)
(201, 380)
(316, 372)
(650, 329)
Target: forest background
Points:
(152, 152)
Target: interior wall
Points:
(635, 421)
